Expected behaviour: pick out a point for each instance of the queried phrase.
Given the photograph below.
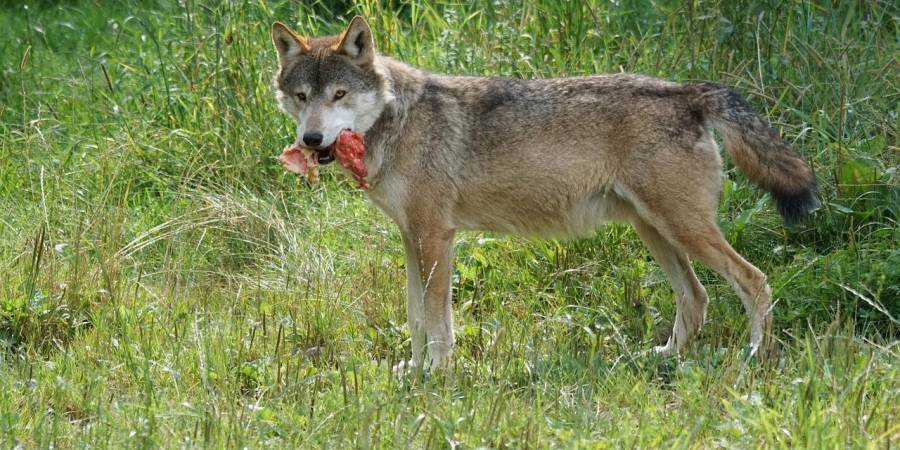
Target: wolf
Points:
(550, 157)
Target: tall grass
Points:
(164, 283)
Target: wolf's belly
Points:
(547, 216)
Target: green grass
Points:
(163, 283)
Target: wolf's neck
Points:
(401, 85)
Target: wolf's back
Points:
(758, 151)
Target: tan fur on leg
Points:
(690, 296)
(433, 247)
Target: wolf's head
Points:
(329, 84)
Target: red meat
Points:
(300, 160)
(350, 149)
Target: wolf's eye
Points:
(339, 94)
(301, 96)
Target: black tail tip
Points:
(794, 207)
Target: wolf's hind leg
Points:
(690, 296)
(692, 228)
(707, 244)
(680, 203)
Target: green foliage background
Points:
(164, 283)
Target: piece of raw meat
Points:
(349, 150)
(300, 160)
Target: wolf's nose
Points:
(312, 139)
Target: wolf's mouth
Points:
(324, 156)
(349, 148)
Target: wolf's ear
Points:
(356, 42)
(287, 43)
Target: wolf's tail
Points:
(758, 151)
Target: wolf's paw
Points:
(439, 354)
(665, 350)
(405, 368)
(762, 350)
(762, 342)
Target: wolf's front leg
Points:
(415, 305)
(433, 250)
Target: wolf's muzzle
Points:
(313, 139)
